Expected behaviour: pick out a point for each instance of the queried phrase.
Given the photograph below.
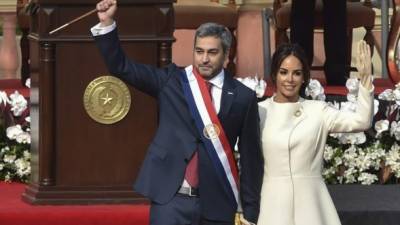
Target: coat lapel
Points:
(228, 95)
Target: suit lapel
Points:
(227, 96)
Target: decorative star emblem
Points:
(106, 99)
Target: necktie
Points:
(191, 173)
(209, 86)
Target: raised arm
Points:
(146, 78)
(361, 119)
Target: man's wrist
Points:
(106, 23)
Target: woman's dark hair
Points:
(281, 53)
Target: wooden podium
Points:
(76, 160)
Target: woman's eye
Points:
(298, 73)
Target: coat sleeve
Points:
(146, 78)
(345, 121)
(251, 163)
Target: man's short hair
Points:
(215, 30)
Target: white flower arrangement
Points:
(15, 138)
(366, 157)
(315, 90)
(255, 84)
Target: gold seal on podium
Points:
(107, 99)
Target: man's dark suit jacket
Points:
(162, 171)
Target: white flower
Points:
(328, 153)
(367, 178)
(28, 82)
(14, 131)
(395, 130)
(1, 166)
(338, 161)
(4, 98)
(23, 138)
(381, 126)
(387, 95)
(27, 155)
(260, 88)
(392, 159)
(9, 158)
(376, 154)
(363, 162)
(5, 149)
(315, 90)
(352, 85)
(349, 155)
(352, 138)
(255, 84)
(18, 103)
(376, 106)
(328, 172)
(23, 167)
(28, 119)
(349, 175)
(396, 95)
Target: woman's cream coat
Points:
(293, 140)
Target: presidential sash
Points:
(212, 133)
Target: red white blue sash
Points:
(212, 133)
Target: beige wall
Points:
(8, 5)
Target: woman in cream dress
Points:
(294, 133)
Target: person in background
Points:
(335, 36)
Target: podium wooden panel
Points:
(74, 158)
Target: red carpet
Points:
(13, 211)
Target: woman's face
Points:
(289, 79)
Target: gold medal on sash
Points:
(211, 131)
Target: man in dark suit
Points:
(335, 35)
(181, 193)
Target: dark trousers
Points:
(181, 210)
(335, 35)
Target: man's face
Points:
(208, 56)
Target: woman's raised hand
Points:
(363, 63)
